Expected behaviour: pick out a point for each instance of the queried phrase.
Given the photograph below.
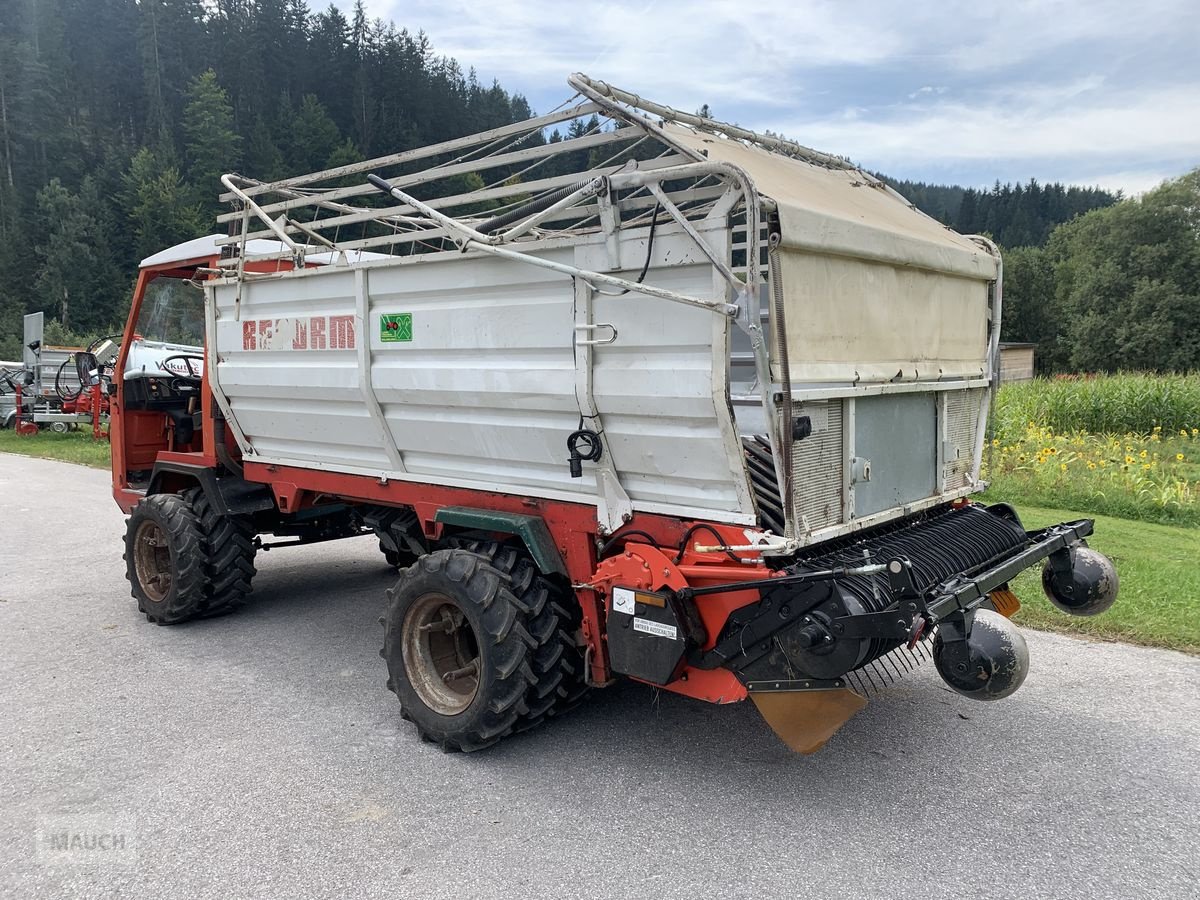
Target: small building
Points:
(1016, 362)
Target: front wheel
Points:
(164, 559)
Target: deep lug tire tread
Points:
(187, 598)
(395, 527)
(552, 620)
(483, 593)
(229, 555)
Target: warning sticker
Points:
(623, 601)
(395, 327)
(658, 629)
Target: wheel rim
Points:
(152, 560)
(441, 654)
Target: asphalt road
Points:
(259, 755)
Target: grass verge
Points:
(74, 446)
(1159, 600)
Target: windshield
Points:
(172, 312)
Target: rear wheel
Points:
(554, 619)
(474, 648)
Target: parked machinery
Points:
(668, 400)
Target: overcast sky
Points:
(1103, 93)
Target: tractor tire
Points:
(558, 661)
(229, 555)
(468, 647)
(164, 559)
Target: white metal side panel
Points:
(305, 405)
(482, 392)
(673, 441)
(485, 390)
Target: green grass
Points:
(74, 446)
(1107, 404)
(1159, 600)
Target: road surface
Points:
(259, 755)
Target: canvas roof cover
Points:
(874, 289)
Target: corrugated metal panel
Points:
(818, 467)
(962, 418)
(484, 393)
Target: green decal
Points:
(395, 327)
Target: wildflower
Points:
(1091, 465)
(1145, 466)
(1062, 467)
(1128, 459)
(1179, 457)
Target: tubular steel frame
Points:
(437, 211)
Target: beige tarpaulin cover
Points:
(875, 290)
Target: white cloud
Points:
(959, 85)
(1160, 123)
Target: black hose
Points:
(702, 527)
(62, 392)
(624, 535)
(649, 248)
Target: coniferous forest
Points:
(118, 117)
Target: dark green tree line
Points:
(118, 117)
(1115, 288)
(1015, 215)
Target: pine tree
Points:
(213, 148)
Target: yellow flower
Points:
(1145, 466)
(1128, 460)
(1142, 454)
(1103, 463)
(1091, 465)
(1179, 457)
(1062, 466)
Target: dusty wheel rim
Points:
(441, 654)
(152, 560)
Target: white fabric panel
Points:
(851, 320)
(874, 289)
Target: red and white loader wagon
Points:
(670, 400)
